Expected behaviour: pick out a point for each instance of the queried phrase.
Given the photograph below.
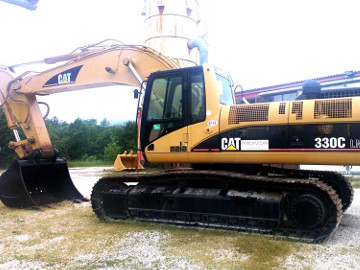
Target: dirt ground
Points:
(85, 178)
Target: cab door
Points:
(164, 119)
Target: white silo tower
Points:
(174, 28)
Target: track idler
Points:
(31, 184)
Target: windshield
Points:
(224, 88)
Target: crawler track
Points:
(306, 210)
(337, 181)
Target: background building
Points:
(340, 85)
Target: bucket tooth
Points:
(127, 161)
(30, 184)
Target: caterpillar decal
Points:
(66, 77)
(343, 137)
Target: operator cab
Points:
(175, 99)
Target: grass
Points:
(56, 236)
(354, 180)
(69, 236)
(231, 250)
(89, 163)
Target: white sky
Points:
(260, 42)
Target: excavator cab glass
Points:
(224, 84)
(173, 99)
(164, 108)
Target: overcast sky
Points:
(260, 42)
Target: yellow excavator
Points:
(237, 179)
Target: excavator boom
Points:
(39, 177)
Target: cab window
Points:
(198, 109)
(165, 110)
(225, 91)
(166, 99)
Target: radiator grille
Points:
(282, 108)
(297, 108)
(333, 108)
(252, 113)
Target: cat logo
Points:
(230, 144)
(64, 78)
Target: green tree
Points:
(111, 150)
(127, 136)
(80, 142)
(59, 134)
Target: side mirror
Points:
(136, 93)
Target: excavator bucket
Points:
(30, 184)
(127, 161)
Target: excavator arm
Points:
(86, 67)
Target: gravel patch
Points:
(227, 254)
(137, 250)
(24, 265)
